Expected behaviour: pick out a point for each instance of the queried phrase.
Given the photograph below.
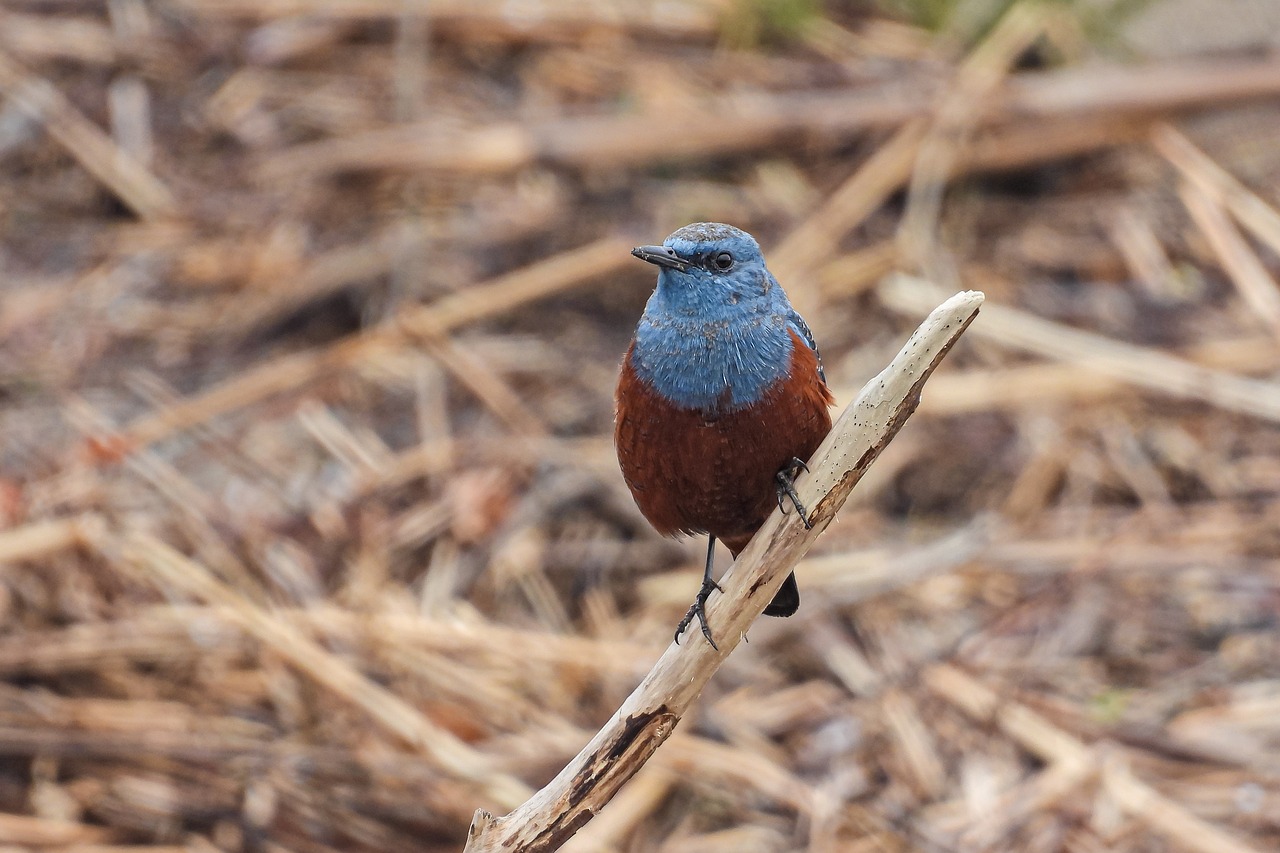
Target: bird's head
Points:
(716, 333)
(709, 269)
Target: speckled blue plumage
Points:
(716, 341)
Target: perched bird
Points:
(720, 400)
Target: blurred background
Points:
(311, 534)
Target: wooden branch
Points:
(131, 181)
(1139, 366)
(651, 712)
(539, 280)
(752, 122)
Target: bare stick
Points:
(652, 711)
(537, 281)
(751, 123)
(1139, 366)
(1249, 209)
(131, 181)
(1242, 265)
(174, 571)
(494, 18)
(39, 539)
(1071, 761)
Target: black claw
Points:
(698, 610)
(787, 488)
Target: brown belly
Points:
(693, 473)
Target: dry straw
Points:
(312, 537)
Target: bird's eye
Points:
(722, 261)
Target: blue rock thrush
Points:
(721, 398)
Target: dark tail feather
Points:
(787, 601)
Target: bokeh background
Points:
(311, 534)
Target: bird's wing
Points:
(801, 328)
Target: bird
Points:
(721, 398)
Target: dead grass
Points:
(311, 536)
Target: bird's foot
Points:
(787, 489)
(698, 610)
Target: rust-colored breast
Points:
(694, 473)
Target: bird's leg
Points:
(787, 488)
(699, 607)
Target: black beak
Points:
(661, 256)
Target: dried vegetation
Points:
(311, 538)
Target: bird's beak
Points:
(661, 256)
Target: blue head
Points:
(715, 334)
